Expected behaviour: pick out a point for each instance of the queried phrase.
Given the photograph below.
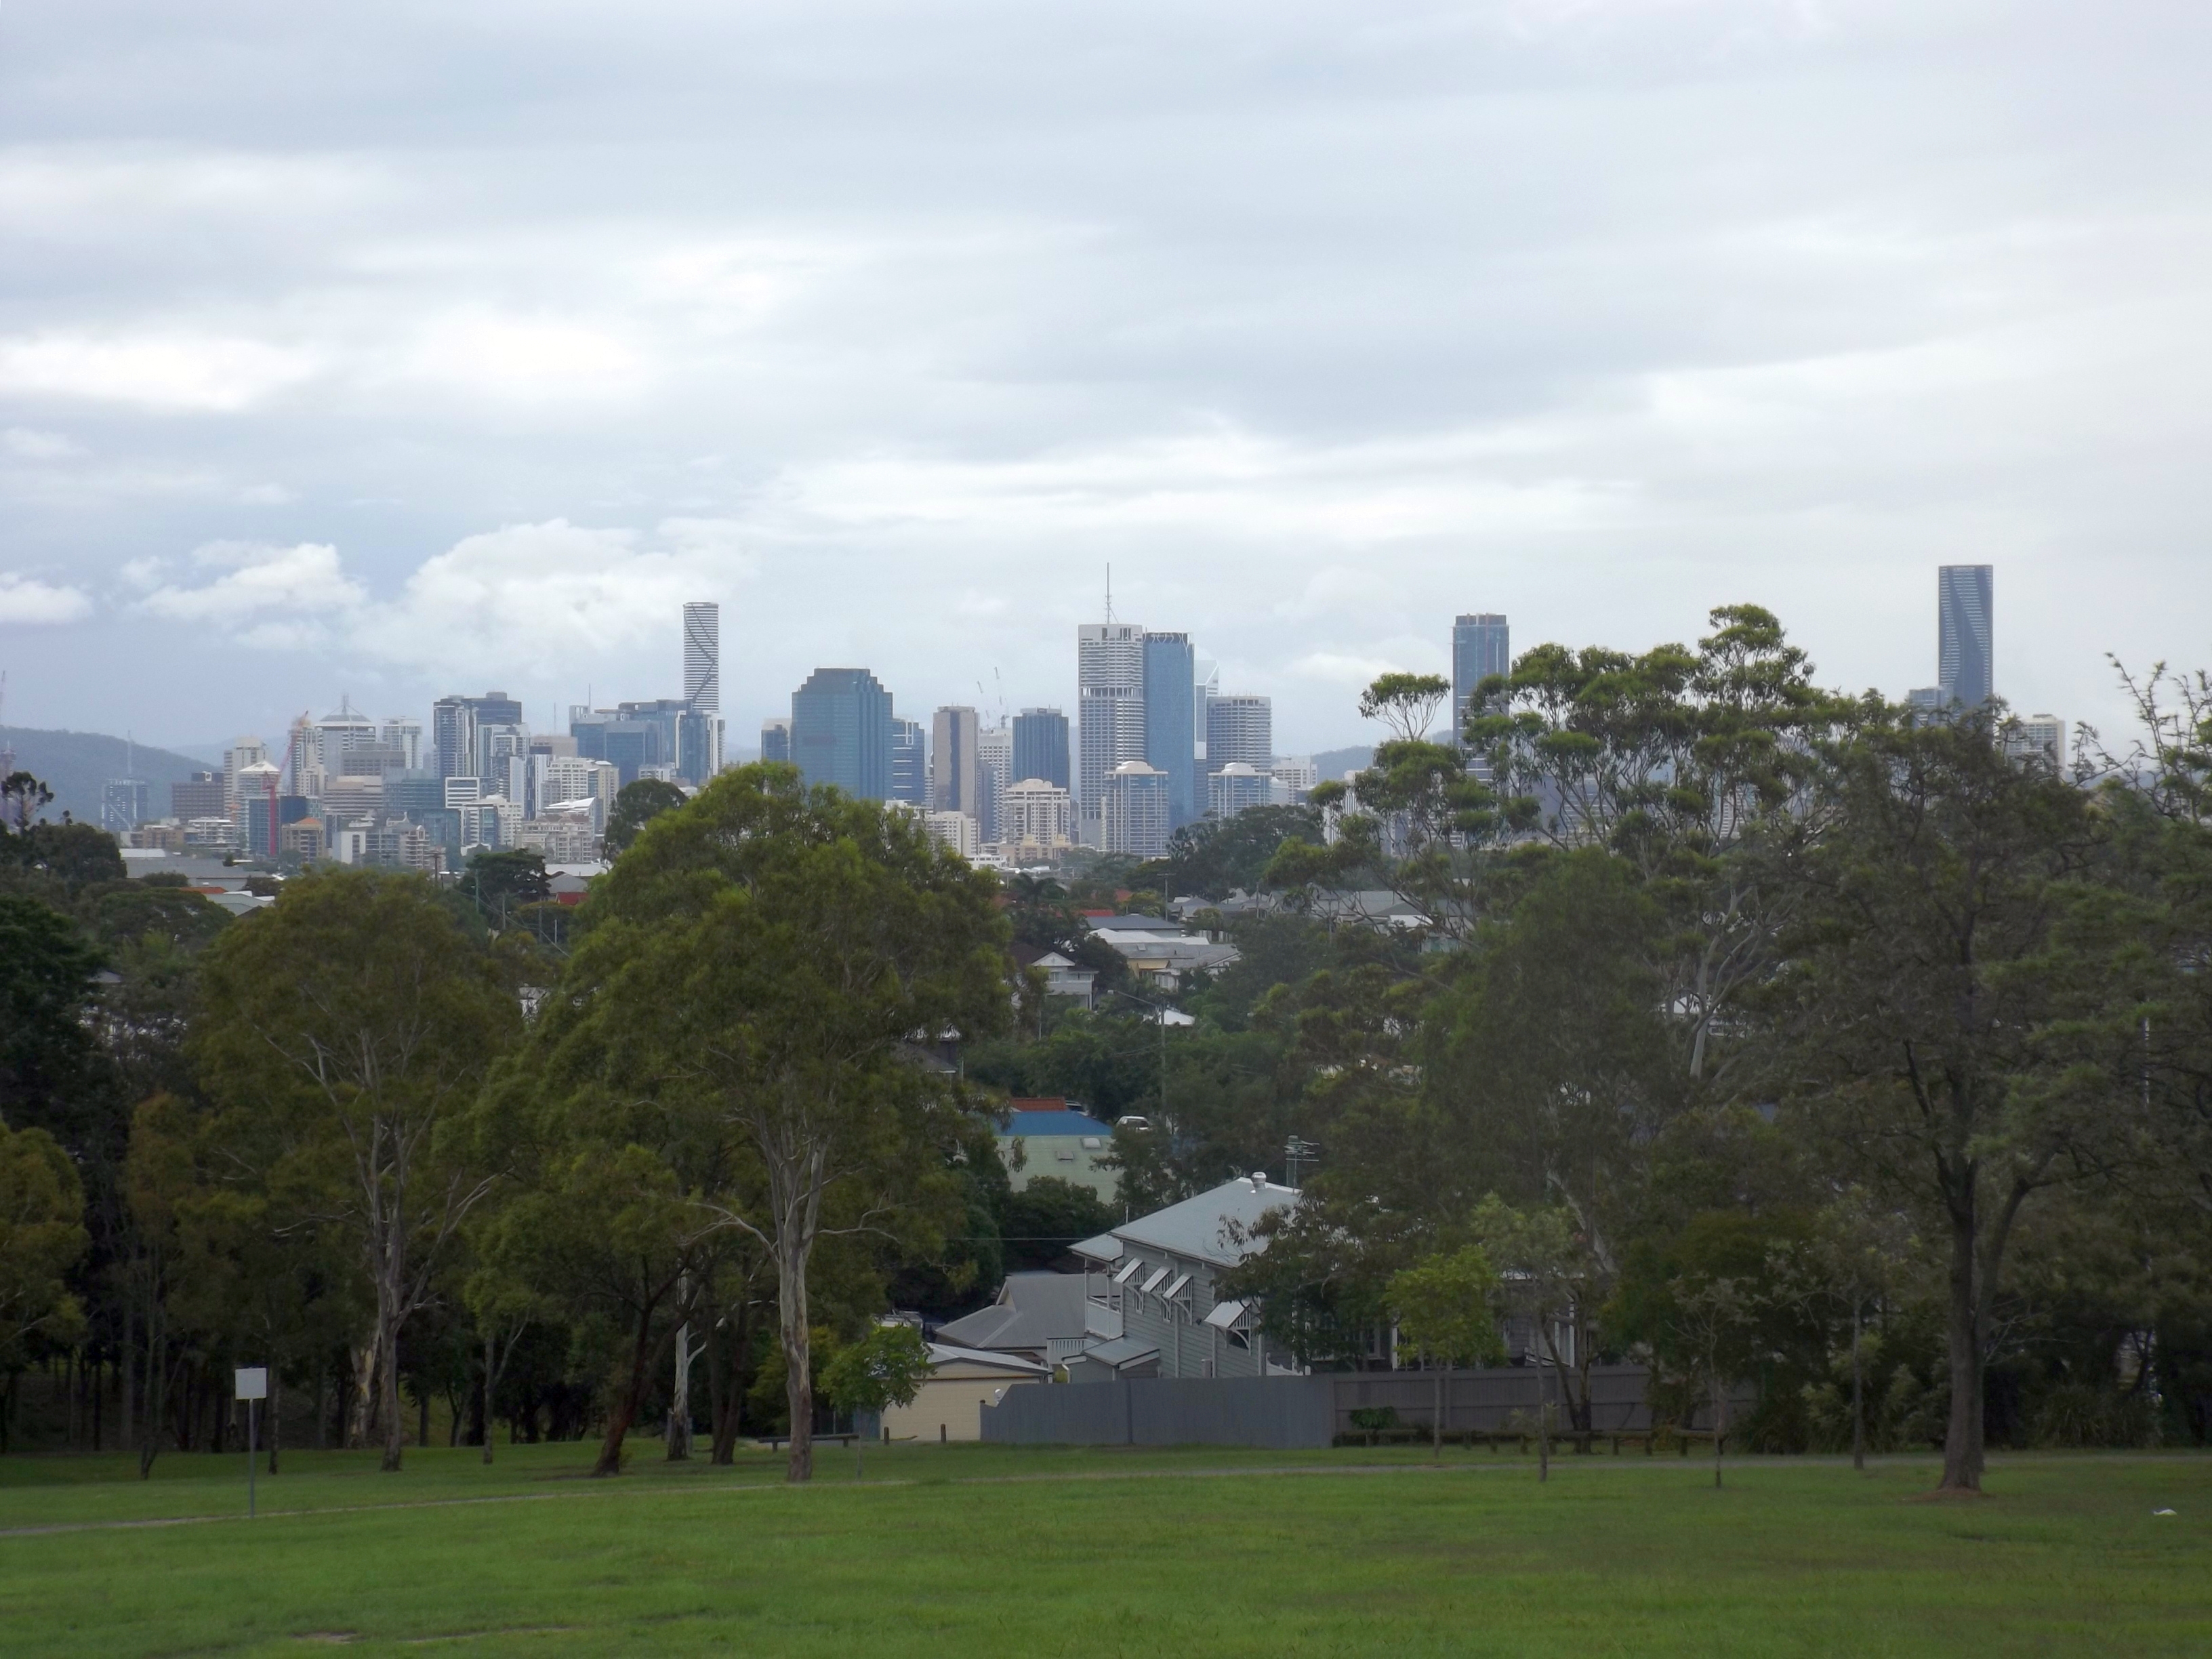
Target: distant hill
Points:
(1335, 762)
(76, 766)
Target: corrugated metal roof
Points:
(1032, 1309)
(1105, 1248)
(1049, 1124)
(1199, 1227)
(941, 1354)
(1121, 1350)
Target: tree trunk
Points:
(645, 1354)
(364, 1395)
(797, 1358)
(123, 1401)
(1962, 1434)
(1859, 1394)
(490, 1381)
(1436, 1427)
(395, 1431)
(1543, 1425)
(1720, 1421)
(728, 1379)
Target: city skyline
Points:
(405, 419)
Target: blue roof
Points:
(1054, 1123)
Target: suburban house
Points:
(1148, 1289)
(962, 1382)
(1038, 1317)
(1047, 1137)
(1158, 951)
(1063, 978)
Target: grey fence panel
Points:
(1287, 1412)
(1277, 1412)
(1069, 1414)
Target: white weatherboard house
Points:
(1150, 1307)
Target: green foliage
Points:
(886, 1367)
(41, 1236)
(1045, 1216)
(1216, 857)
(637, 805)
(47, 966)
(1444, 1307)
(500, 882)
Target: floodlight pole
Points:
(252, 1421)
(251, 1385)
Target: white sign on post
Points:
(252, 1382)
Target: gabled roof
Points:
(1121, 1350)
(1032, 1309)
(1198, 1228)
(1105, 1247)
(948, 1353)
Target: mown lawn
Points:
(1003, 1551)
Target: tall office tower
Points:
(1040, 747)
(1241, 729)
(1170, 728)
(1237, 787)
(775, 740)
(1035, 820)
(337, 737)
(2041, 736)
(994, 754)
(1482, 645)
(1109, 681)
(453, 722)
(956, 770)
(406, 736)
(122, 805)
(703, 656)
(241, 754)
(702, 683)
(1208, 674)
(910, 761)
(198, 797)
(1965, 643)
(840, 732)
(258, 811)
(1133, 811)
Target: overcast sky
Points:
(396, 350)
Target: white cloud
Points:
(207, 373)
(26, 601)
(529, 359)
(26, 445)
(304, 579)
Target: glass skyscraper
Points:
(1109, 679)
(909, 761)
(1170, 733)
(840, 732)
(1041, 746)
(1965, 644)
(1482, 645)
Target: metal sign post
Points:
(252, 1389)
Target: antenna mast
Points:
(1109, 592)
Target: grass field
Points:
(990, 1551)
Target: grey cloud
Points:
(1597, 314)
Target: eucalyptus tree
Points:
(785, 956)
(342, 1029)
(1921, 1016)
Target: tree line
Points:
(1750, 1030)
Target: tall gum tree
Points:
(353, 1019)
(1927, 971)
(789, 953)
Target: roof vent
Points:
(1259, 1181)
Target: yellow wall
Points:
(954, 1402)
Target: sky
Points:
(382, 352)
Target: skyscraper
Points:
(840, 732)
(775, 740)
(1241, 728)
(453, 722)
(1109, 679)
(956, 770)
(1965, 644)
(909, 761)
(1133, 811)
(1482, 645)
(703, 656)
(1041, 746)
(702, 689)
(1170, 733)
(994, 757)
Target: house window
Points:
(1238, 1339)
